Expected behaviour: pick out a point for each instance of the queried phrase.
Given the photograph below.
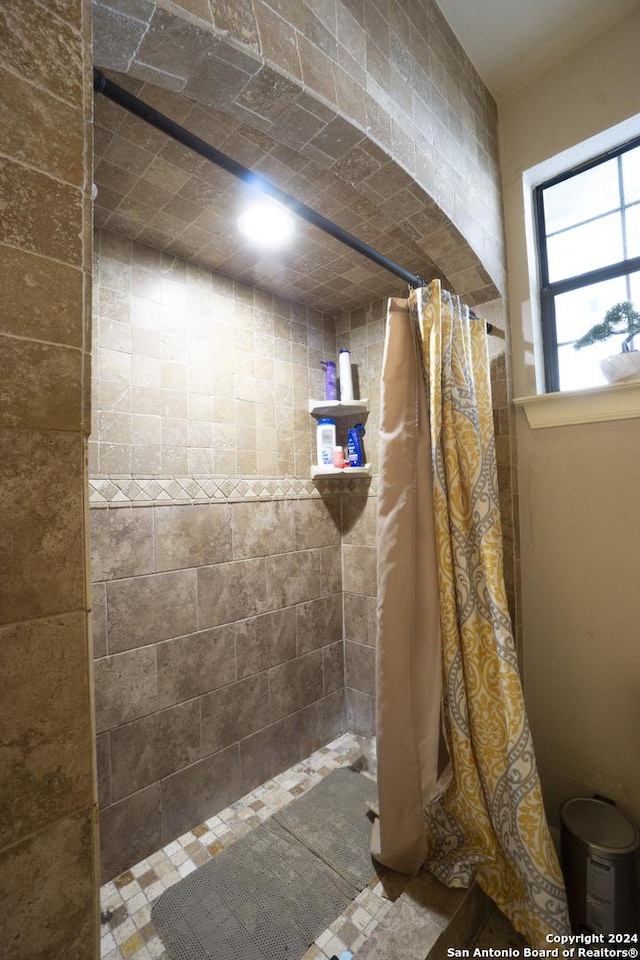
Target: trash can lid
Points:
(599, 823)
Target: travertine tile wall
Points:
(154, 191)
(360, 620)
(229, 635)
(316, 77)
(48, 891)
(219, 658)
(218, 625)
(196, 374)
(362, 331)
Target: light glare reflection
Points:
(266, 224)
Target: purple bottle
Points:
(330, 386)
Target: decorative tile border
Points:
(147, 491)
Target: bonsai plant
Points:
(621, 318)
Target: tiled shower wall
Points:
(218, 637)
(217, 618)
(362, 331)
(234, 611)
(388, 67)
(196, 374)
(48, 894)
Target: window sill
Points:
(620, 401)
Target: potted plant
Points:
(621, 318)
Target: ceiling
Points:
(154, 190)
(511, 42)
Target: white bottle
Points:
(326, 441)
(346, 381)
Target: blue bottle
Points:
(354, 445)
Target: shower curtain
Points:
(471, 806)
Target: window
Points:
(588, 228)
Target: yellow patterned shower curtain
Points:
(476, 813)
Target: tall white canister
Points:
(346, 380)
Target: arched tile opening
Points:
(283, 119)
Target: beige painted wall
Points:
(579, 543)
(584, 95)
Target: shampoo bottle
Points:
(325, 441)
(330, 385)
(354, 446)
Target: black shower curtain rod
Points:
(116, 93)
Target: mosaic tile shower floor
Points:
(129, 934)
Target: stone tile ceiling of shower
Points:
(154, 190)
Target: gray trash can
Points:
(601, 865)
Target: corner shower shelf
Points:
(339, 472)
(338, 408)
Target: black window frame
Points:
(549, 290)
